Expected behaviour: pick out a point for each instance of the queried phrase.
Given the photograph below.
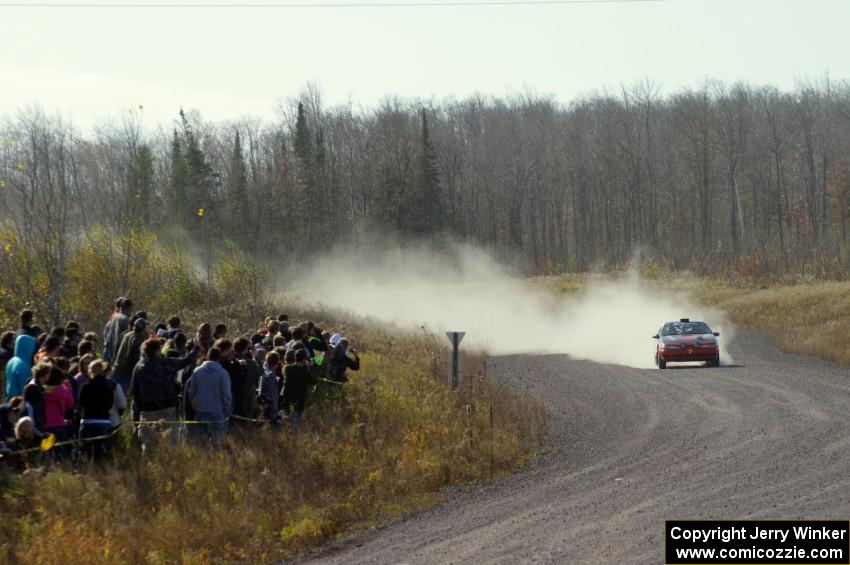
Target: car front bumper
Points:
(688, 355)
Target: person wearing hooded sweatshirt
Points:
(340, 361)
(210, 396)
(19, 369)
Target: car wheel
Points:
(662, 364)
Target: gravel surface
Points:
(766, 438)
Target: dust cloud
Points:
(610, 320)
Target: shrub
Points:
(105, 264)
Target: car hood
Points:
(687, 338)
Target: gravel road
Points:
(766, 438)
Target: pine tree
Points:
(421, 215)
(432, 200)
(237, 192)
(303, 142)
(320, 160)
(140, 184)
(318, 197)
(198, 177)
(177, 198)
(304, 177)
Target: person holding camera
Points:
(344, 359)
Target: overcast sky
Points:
(94, 63)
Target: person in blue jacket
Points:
(19, 368)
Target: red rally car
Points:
(686, 341)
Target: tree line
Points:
(718, 179)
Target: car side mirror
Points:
(655, 336)
(716, 334)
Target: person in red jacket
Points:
(58, 401)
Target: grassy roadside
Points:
(811, 318)
(386, 447)
(808, 317)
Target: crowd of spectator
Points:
(68, 392)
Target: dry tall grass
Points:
(811, 318)
(385, 446)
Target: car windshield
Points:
(685, 328)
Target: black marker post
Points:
(454, 358)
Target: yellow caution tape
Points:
(48, 442)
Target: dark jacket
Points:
(315, 343)
(244, 379)
(154, 384)
(32, 331)
(130, 351)
(186, 402)
(68, 350)
(96, 399)
(7, 428)
(170, 332)
(340, 361)
(255, 373)
(297, 379)
(5, 356)
(34, 396)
